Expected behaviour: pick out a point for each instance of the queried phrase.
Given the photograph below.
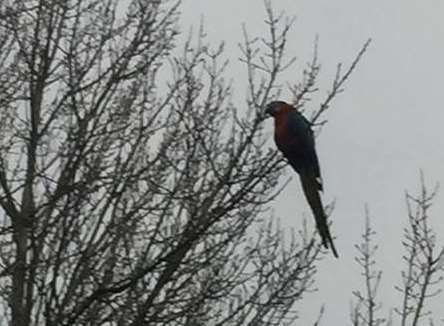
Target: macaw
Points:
(294, 138)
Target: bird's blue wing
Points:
(303, 156)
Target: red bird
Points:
(294, 138)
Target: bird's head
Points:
(273, 108)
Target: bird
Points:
(293, 135)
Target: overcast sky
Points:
(385, 127)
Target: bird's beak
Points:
(265, 115)
(269, 112)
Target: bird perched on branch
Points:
(294, 138)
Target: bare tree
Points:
(422, 273)
(365, 309)
(125, 200)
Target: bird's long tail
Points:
(310, 186)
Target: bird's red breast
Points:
(281, 132)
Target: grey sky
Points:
(385, 127)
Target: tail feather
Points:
(311, 190)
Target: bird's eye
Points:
(276, 108)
